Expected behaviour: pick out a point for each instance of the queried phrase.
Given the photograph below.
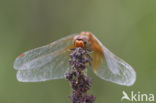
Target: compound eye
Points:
(85, 42)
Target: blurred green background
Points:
(126, 27)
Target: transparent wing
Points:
(114, 69)
(55, 69)
(44, 63)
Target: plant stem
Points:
(77, 77)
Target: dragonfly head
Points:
(81, 40)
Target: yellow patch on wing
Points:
(98, 54)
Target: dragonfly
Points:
(51, 61)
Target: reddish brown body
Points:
(92, 43)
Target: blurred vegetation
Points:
(126, 27)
